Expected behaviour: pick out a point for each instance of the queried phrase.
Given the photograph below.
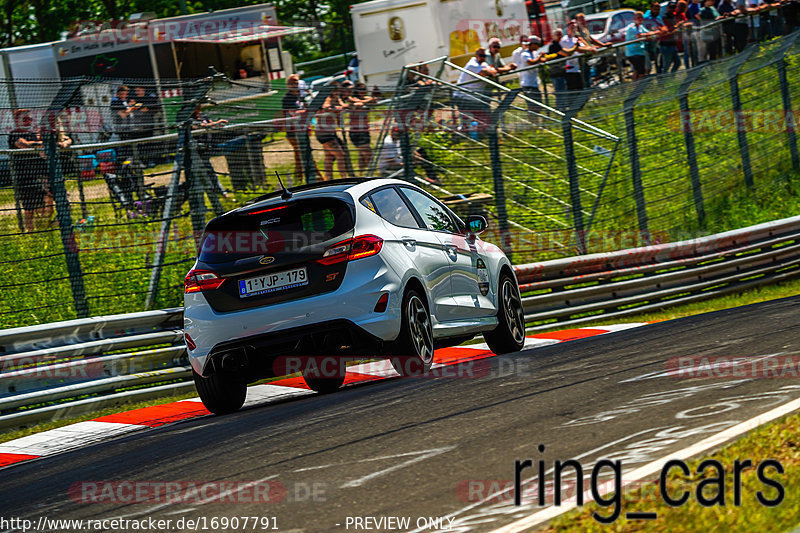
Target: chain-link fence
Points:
(101, 209)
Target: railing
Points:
(48, 370)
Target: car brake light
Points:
(352, 249)
(201, 280)
(365, 246)
(190, 342)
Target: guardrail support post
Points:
(633, 150)
(688, 137)
(788, 114)
(497, 171)
(71, 253)
(736, 104)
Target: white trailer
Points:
(392, 33)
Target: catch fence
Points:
(662, 159)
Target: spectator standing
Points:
(360, 102)
(495, 60)
(148, 108)
(145, 119)
(294, 107)
(697, 48)
(726, 9)
(352, 69)
(653, 18)
(122, 112)
(558, 72)
(327, 121)
(202, 121)
(529, 79)
(682, 40)
(711, 36)
(573, 67)
(30, 170)
(635, 52)
(586, 39)
(517, 53)
(667, 43)
(467, 103)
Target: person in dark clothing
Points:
(202, 121)
(30, 170)
(293, 107)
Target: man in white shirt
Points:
(467, 103)
(529, 79)
(523, 45)
(573, 66)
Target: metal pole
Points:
(408, 156)
(170, 207)
(633, 150)
(691, 154)
(497, 171)
(196, 204)
(17, 204)
(791, 134)
(574, 186)
(71, 252)
(736, 104)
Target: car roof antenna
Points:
(286, 194)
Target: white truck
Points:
(392, 33)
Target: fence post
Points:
(633, 150)
(497, 170)
(15, 186)
(197, 206)
(71, 253)
(688, 137)
(736, 104)
(576, 102)
(788, 114)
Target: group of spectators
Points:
(345, 110)
(656, 40)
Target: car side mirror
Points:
(476, 224)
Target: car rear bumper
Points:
(352, 304)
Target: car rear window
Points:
(275, 229)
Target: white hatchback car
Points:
(344, 268)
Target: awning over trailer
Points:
(242, 35)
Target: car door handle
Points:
(452, 251)
(408, 242)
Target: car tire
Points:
(221, 393)
(509, 335)
(323, 385)
(413, 353)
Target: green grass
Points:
(778, 440)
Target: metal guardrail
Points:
(46, 371)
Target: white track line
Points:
(655, 466)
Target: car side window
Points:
(617, 23)
(434, 215)
(392, 208)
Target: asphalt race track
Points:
(431, 448)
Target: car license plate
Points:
(278, 281)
